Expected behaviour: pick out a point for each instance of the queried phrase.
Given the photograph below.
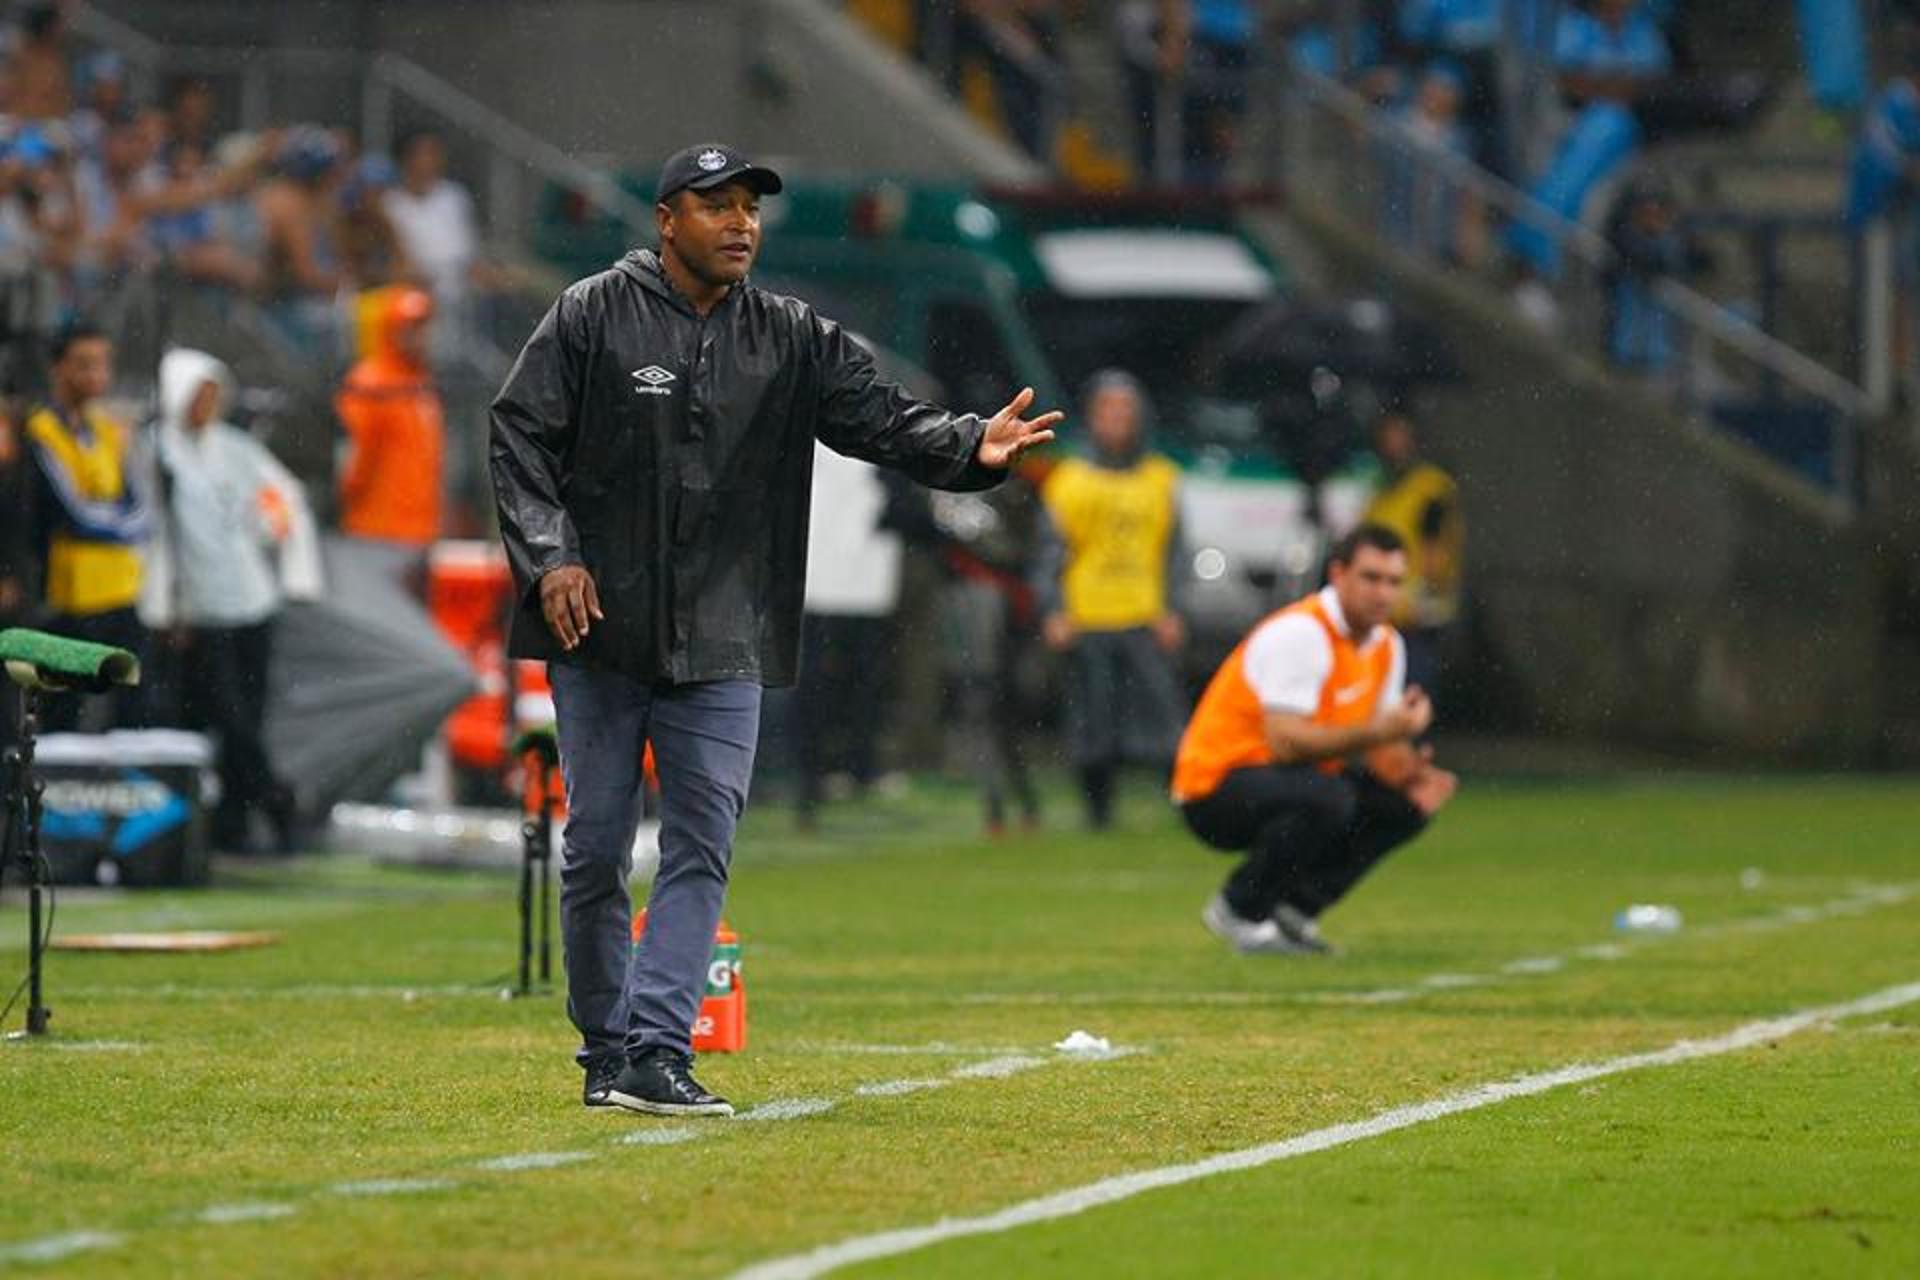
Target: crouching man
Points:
(1302, 753)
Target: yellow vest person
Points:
(90, 519)
(1420, 502)
(1105, 584)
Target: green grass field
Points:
(341, 1104)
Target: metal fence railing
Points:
(1349, 160)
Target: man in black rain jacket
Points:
(651, 456)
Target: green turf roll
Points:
(59, 662)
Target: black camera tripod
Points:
(20, 846)
(540, 758)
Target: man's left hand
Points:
(1169, 632)
(1008, 435)
(1430, 787)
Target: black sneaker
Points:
(660, 1083)
(601, 1073)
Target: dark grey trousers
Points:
(624, 998)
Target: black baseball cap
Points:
(706, 165)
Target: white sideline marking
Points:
(54, 1248)
(222, 1215)
(390, 1186)
(657, 1137)
(85, 1046)
(1450, 981)
(533, 1160)
(896, 1088)
(788, 1109)
(1534, 964)
(998, 1068)
(887, 1244)
(937, 1048)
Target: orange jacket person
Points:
(390, 488)
(1301, 752)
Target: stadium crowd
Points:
(1566, 102)
(100, 191)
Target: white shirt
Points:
(853, 567)
(438, 232)
(1289, 658)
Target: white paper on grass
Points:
(1085, 1044)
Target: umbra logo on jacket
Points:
(652, 381)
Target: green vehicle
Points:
(988, 291)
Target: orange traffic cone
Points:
(721, 1026)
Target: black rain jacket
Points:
(672, 456)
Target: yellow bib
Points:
(1116, 525)
(1432, 594)
(86, 576)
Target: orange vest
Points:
(1228, 729)
(391, 489)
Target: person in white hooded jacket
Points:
(232, 514)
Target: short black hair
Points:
(1377, 536)
(39, 19)
(414, 137)
(71, 332)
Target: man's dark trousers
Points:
(627, 998)
(1309, 836)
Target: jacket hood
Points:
(182, 370)
(644, 266)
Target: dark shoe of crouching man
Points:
(651, 456)
(1301, 753)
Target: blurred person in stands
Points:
(1194, 55)
(1421, 504)
(39, 223)
(113, 236)
(1107, 571)
(1880, 192)
(304, 267)
(91, 519)
(371, 248)
(1427, 210)
(227, 508)
(36, 82)
(376, 262)
(103, 98)
(1301, 753)
(191, 236)
(1651, 243)
(1609, 51)
(434, 217)
(1018, 42)
(390, 484)
(1464, 35)
(190, 113)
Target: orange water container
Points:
(721, 1026)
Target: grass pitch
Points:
(358, 1101)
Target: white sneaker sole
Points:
(649, 1108)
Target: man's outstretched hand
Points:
(570, 602)
(1008, 435)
